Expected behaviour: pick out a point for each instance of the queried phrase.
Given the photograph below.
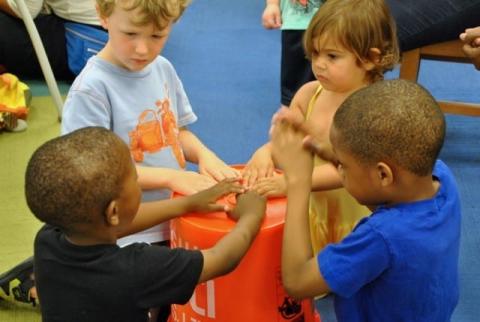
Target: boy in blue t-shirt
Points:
(401, 262)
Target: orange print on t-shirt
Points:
(156, 129)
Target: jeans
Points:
(16, 50)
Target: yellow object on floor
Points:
(14, 95)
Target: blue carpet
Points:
(230, 68)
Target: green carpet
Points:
(18, 226)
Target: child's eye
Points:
(332, 56)
(130, 34)
(157, 36)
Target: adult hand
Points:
(471, 45)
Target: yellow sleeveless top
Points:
(333, 213)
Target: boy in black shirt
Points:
(84, 187)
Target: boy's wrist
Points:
(187, 204)
(250, 221)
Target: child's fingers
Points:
(264, 173)
(265, 186)
(229, 172)
(229, 185)
(216, 207)
(250, 176)
(216, 174)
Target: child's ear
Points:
(111, 214)
(373, 59)
(384, 174)
(103, 19)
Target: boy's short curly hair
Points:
(395, 120)
(72, 178)
(357, 25)
(160, 12)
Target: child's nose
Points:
(320, 62)
(141, 47)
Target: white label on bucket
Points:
(210, 309)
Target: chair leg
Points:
(460, 108)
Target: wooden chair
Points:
(450, 51)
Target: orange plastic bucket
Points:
(253, 291)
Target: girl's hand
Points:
(271, 187)
(259, 166)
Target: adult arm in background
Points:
(10, 7)
(471, 46)
(17, 54)
(5, 7)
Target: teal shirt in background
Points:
(296, 14)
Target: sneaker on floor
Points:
(21, 126)
(16, 284)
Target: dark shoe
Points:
(16, 284)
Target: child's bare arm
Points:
(208, 162)
(300, 272)
(301, 275)
(326, 177)
(271, 17)
(181, 181)
(227, 253)
(153, 213)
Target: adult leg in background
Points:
(424, 22)
(17, 54)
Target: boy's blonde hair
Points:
(357, 25)
(160, 12)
